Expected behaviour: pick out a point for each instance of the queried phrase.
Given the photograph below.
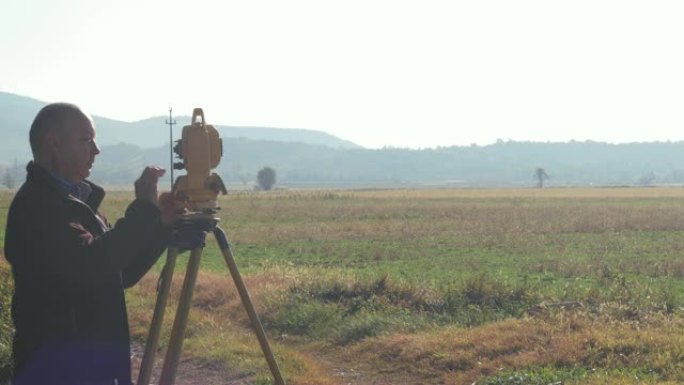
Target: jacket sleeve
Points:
(70, 251)
(146, 258)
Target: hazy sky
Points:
(380, 73)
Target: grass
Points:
(442, 286)
(6, 330)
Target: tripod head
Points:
(200, 150)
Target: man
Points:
(70, 268)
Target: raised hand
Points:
(146, 185)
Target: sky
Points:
(394, 73)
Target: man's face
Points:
(76, 149)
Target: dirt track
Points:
(192, 371)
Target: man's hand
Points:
(167, 205)
(146, 185)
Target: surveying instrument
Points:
(195, 194)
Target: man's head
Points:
(62, 140)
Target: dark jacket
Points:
(70, 270)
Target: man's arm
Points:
(67, 249)
(142, 263)
(147, 258)
(70, 251)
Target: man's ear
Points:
(51, 142)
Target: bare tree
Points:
(8, 179)
(646, 179)
(241, 174)
(11, 175)
(540, 175)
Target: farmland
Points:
(443, 286)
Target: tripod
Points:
(190, 234)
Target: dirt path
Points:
(341, 367)
(192, 371)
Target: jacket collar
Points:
(37, 174)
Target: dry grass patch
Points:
(561, 341)
(219, 330)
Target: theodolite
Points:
(196, 200)
(200, 150)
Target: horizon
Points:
(495, 142)
(379, 74)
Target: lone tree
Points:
(540, 175)
(266, 178)
(646, 179)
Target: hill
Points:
(312, 158)
(17, 113)
(153, 131)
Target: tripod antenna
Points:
(171, 122)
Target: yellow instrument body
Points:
(201, 151)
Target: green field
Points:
(497, 287)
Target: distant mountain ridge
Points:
(300, 159)
(153, 131)
(17, 113)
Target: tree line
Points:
(505, 163)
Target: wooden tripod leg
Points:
(168, 374)
(247, 303)
(153, 337)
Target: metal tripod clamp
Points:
(191, 234)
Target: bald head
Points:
(62, 139)
(53, 118)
